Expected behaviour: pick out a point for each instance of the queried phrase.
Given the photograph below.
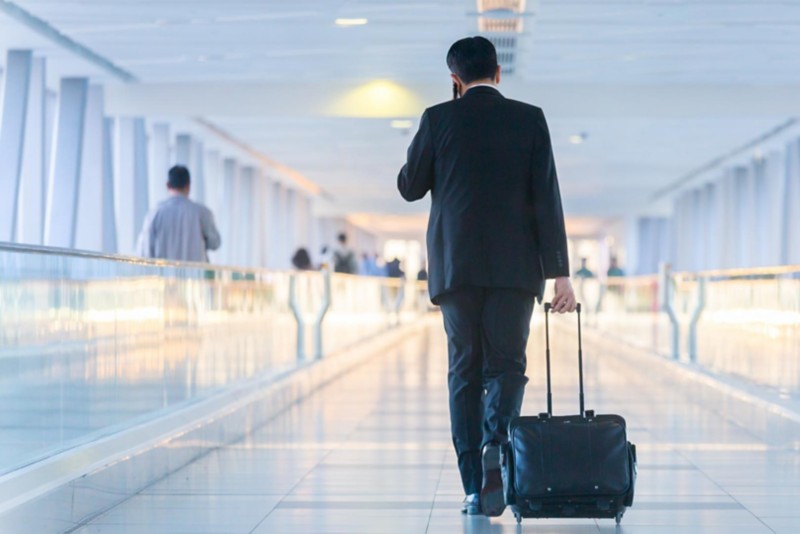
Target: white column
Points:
(760, 229)
(728, 226)
(245, 214)
(213, 182)
(51, 107)
(108, 207)
(227, 217)
(189, 153)
(697, 221)
(131, 181)
(775, 176)
(791, 210)
(710, 227)
(89, 228)
(262, 207)
(33, 180)
(183, 150)
(13, 119)
(159, 162)
(291, 217)
(260, 225)
(743, 220)
(278, 233)
(199, 172)
(65, 168)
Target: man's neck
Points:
(176, 193)
(476, 83)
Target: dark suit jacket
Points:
(496, 219)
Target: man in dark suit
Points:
(495, 234)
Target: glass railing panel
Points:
(90, 345)
(749, 327)
(93, 344)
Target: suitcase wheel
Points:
(619, 517)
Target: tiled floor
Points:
(371, 453)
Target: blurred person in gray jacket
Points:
(179, 229)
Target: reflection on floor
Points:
(371, 453)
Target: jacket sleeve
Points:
(547, 210)
(416, 176)
(210, 232)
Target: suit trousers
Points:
(487, 332)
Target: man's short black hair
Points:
(342, 238)
(472, 58)
(178, 177)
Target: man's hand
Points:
(564, 299)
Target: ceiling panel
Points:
(631, 43)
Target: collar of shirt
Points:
(482, 85)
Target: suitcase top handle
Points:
(547, 309)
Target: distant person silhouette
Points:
(584, 271)
(344, 259)
(614, 270)
(179, 229)
(301, 260)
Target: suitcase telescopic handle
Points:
(547, 309)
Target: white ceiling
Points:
(657, 55)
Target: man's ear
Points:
(497, 75)
(458, 82)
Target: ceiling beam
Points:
(336, 99)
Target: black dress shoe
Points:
(492, 500)
(472, 504)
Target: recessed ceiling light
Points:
(401, 124)
(577, 139)
(351, 22)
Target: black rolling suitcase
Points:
(571, 466)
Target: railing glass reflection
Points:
(92, 344)
(744, 324)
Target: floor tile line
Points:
(435, 493)
(726, 492)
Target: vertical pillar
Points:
(33, 178)
(245, 214)
(211, 172)
(698, 221)
(51, 106)
(141, 196)
(12, 135)
(109, 213)
(131, 181)
(728, 236)
(276, 224)
(743, 219)
(89, 229)
(198, 172)
(159, 163)
(791, 207)
(183, 150)
(262, 187)
(65, 167)
(290, 219)
(775, 175)
(188, 152)
(710, 227)
(760, 231)
(228, 218)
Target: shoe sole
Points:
(493, 501)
